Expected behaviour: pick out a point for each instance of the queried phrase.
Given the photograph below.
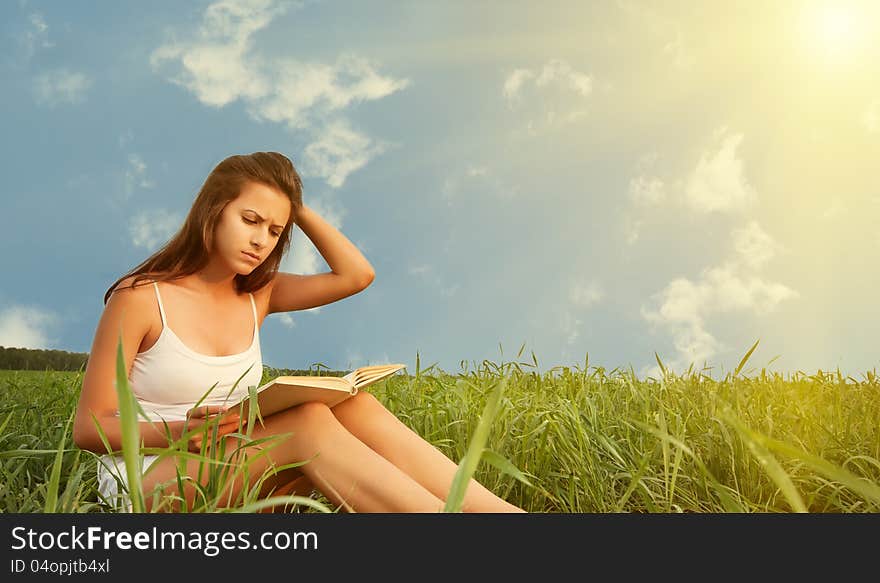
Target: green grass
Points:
(571, 440)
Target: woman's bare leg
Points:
(343, 468)
(367, 419)
(289, 482)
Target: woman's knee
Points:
(305, 423)
(311, 420)
(360, 404)
(364, 399)
(311, 413)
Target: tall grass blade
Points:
(281, 501)
(727, 501)
(474, 452)
(55, 476)
(742, 363)
(505, 466)
(767, 461)
(70, 497)
(662, 368)
(868, 490)
(131, 435)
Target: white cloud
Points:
(26, 327)
(513, 84)
(556, 92)
(644, 192)
(338, 152)
(684, 305)
(732, 291)
(220, 66)
(152, 229)
(34, 37)
(307, 92)
(61, 86)
(215, 66)
(302, 256)
(559, 72)
(135, 176)
(754, 245)
(284, 318)
(666, 30)
(718, 182)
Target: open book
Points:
(288, 391)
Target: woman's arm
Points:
(86, 436)
(351, 272)
(340, 254)
(123, 319)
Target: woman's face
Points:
(251, 223)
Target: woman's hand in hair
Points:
(202, 419)
(297, 211)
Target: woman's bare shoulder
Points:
(143, 280)
(129, 306)
(261, 299)
(132, 291)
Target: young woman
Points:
(189, 319)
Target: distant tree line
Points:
(277, 372)
(40, 359)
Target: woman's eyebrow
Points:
(261, 218)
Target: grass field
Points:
(575, 439)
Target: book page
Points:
(369, 375)
(284, 392)
(328, 383)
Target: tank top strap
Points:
(254, 308)
(161, 307)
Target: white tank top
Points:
(169, 378)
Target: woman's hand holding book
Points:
(202, 418)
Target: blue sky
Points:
(613, 179)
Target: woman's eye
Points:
(250, 222)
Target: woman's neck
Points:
(213, 288)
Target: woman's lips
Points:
(251, 257)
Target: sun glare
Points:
(835, 31)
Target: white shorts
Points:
(112, 478)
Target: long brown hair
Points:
(188, 250)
